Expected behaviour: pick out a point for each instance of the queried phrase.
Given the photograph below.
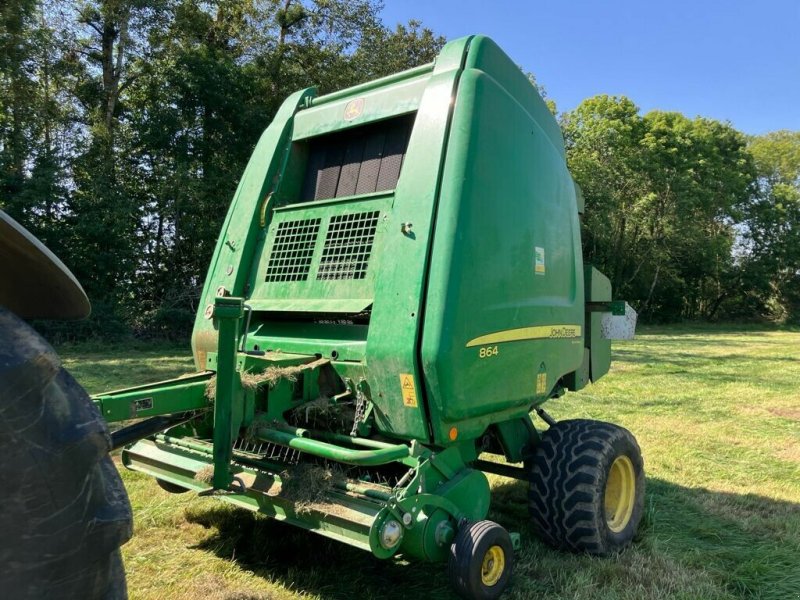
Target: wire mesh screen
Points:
(348, 245)
(357, 161)
(292, 250)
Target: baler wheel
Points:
(65, 511)
(587, 487)
(171, 488)
(481, 560)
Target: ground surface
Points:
(716, 412)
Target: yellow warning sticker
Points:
(541, 383)
(409, 390)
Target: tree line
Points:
(690, 218)
(125, 125)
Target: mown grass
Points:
(716, 412)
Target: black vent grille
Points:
(348, 245)
(357, 161)
(292, 250)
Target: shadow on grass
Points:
(311, 564)
(734, 545)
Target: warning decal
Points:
(408, 389)
(541, 383)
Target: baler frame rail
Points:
(172, 396)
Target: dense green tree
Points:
(103, 217)
(769, 256)
(383, 52)
(602, 137)
(36, 120)
(662, 194)
(125, 124)
(17, 86)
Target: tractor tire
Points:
(64, 512)
(481, 560)
(587, 487)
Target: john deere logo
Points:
(353, 109)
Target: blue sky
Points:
(737, 61)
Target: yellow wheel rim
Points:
(620, 494)
(494, 563)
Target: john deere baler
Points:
(398, 284)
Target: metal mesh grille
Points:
(357, 161)
(348, 245)
(292, 250)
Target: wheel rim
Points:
(620, 494)
(494, 563)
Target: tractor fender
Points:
(34, 283)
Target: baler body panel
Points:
(394, 372)
(504, 311)
(474, 233)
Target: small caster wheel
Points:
(481, 560)
(171, 487)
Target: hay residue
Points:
(307, 485)
(322, 407)
(323, 413)
(271, 376)
(211, 388)
(205, 475)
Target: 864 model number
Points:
(488, 352)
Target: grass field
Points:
(716, 412)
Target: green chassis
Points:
(438, 490)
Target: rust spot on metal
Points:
(204, 342)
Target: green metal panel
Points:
(350, 524)
(395, 376)
(231, 265)
(347, 340)
(229, 399)
(395, 95)
(598, 289)
(161, 398)
(471, 309)
(314, 290)
(461, 305)
(442, 492)
(504, 307)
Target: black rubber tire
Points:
(64, 512)
(467, 552)
(569, 472)
(171, 487)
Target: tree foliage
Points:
(126, 124)
(666, 199)
(770, 256)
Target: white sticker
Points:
(539, 265)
